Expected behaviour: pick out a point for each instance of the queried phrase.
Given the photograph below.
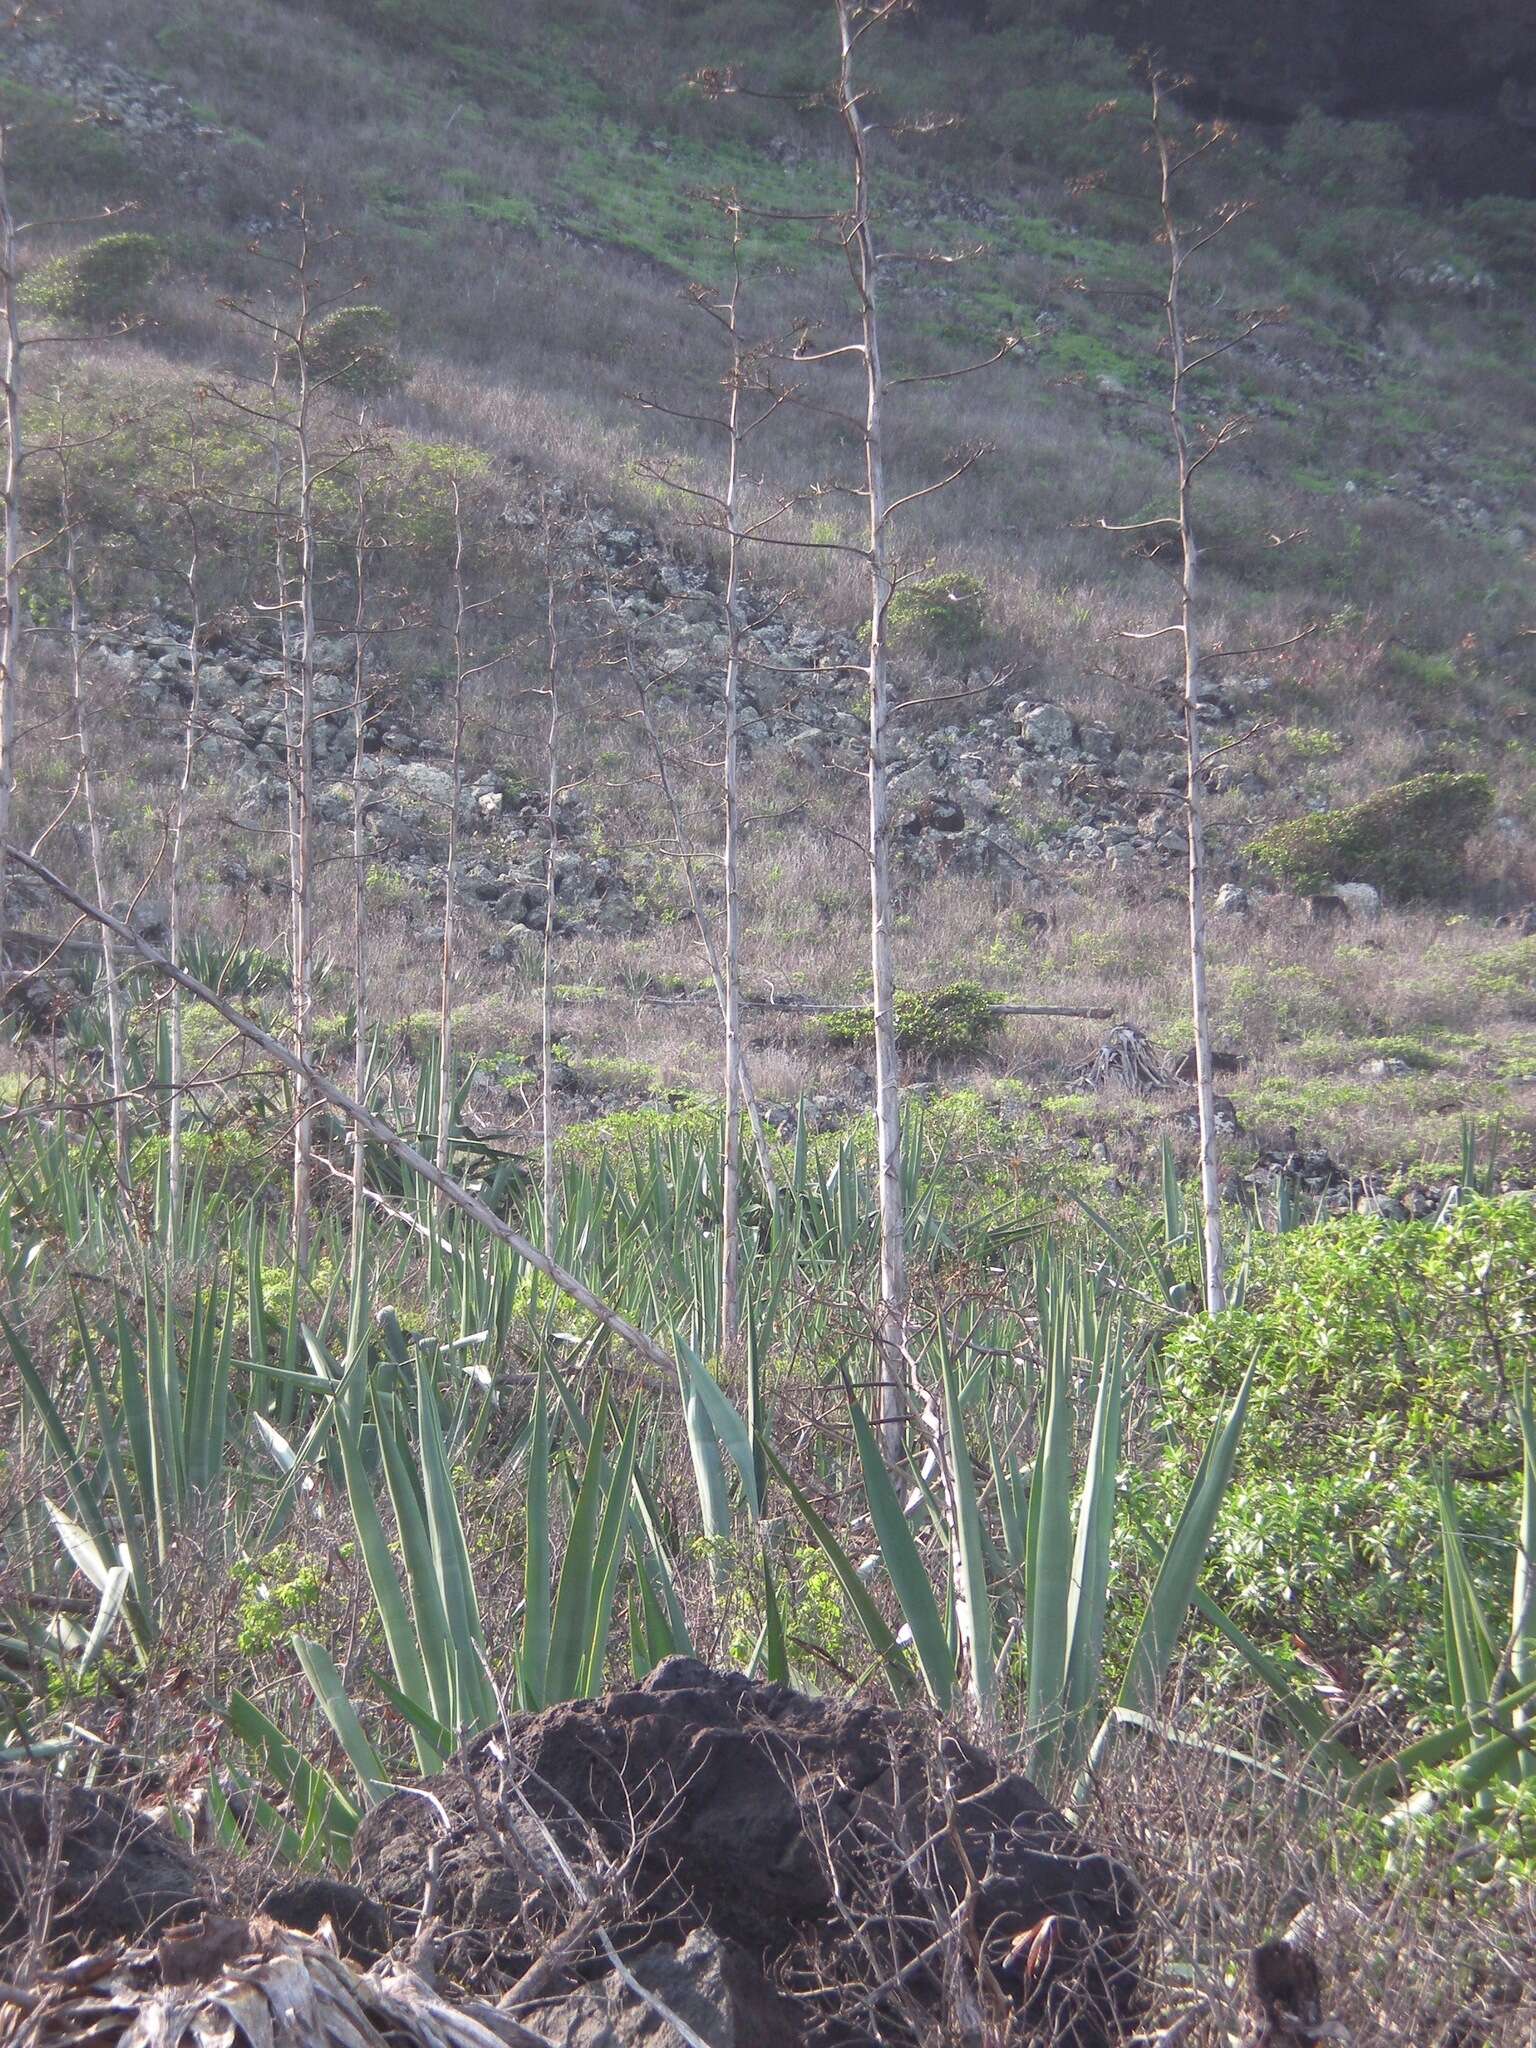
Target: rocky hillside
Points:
(529, 201)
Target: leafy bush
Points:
(939, 615)
(1509, 972)
(355, 350)
(1354, 163)
(1381, 251)
(1379, 1351)
(53, 153)
(1502, 233)
(419, 24)
(1408, 839)
(105, 280)
(942, 1025)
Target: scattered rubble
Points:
(242, 713)
(109, 93)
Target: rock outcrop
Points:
(836, 1846)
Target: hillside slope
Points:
(530, 199)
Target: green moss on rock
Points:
(938, 615)
(1410, 840)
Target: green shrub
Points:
(355, 350)
(1375, 251)
(942, 1025)
(1502, 234)
(1509, 972)
(1380, 1351)
(1354, 163)
(53, 154)
(1408, 839)
(939, 615)
(420, 24)
(106, 280)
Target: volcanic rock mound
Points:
(102, 1869)
(867, 1862)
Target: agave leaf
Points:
(973, 1608)
(570, 1627)
(1379, 1781)
(419, 1719)
(1305, 1714)
(327, 1819)
(775, 1654)
(330, 1691)
(533, 1664)
(451, 1564)
(1522, 1626)
(704, 1451)
(881, 1641)
(1048, 1528)
(1482, 1764)
(903, 1565)
(429, 1617)
(394, 1615)
(1471, 1658)
(608, 1556)
(93, 1559)
(1179, 1572)
(108, 1608)
(1088, 1599)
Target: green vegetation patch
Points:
(109, 279)
(938, 614)
(356, 348)
(943, 1025)
(1409, 839)
(1383, 1356)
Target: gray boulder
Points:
(1360, 899)
(1046, 726)
(712, 1985)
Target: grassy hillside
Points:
(1249, 1593)
(530, 198)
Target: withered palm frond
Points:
(243, 1984)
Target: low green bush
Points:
(1509, 973)
(1409, 840)
(1502, 234)
(942, 1025)
(1350, 163)
(355, 349)
(938, 615)
(1381, 1352)
(109, 279)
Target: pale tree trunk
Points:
(175, 1113)
(302, 771)
(1178, 345)
(10, 622)
(359, 870)
(451, 865)
(552, 823)
(730, 1273)
(689, 858)
(891, 1323)
(121, 1148)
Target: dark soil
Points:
(82, 1867)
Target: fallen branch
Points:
(802, 1006)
